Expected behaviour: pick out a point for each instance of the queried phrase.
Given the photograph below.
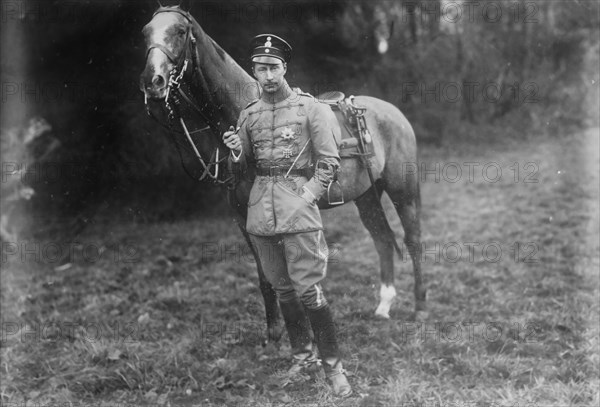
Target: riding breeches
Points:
(294, 264)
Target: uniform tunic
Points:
(298, 128)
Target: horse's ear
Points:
(185, 5)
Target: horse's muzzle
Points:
(154, 86)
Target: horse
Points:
(180, 54)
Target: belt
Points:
(277, 171)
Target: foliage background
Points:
(76, 64)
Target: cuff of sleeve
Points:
(236, 158)
(314, 189)
(312, 196)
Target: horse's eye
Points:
(181, 32)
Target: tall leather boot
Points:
(298, 328)
(326, 338)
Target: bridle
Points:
(172, 100)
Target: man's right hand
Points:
(232, 140)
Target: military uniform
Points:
(291, 142)
(295, 134)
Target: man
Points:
(289, 137)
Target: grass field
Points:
(170, 314)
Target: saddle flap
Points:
(346, 113)
(349, 144)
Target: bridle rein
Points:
(181, 63)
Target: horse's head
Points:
(169, 40)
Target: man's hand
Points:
(232, 140)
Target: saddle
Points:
(355, 136)
(355, 141)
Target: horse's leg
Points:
(373, 217)
(408, 205)
(274, 325)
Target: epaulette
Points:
(301, 93)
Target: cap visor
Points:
(267, 60)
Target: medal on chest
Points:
(288, 135)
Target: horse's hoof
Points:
(421, 316)
(387, 294)
(379, 314)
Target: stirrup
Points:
(335, 195)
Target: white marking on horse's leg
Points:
(386, 294)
